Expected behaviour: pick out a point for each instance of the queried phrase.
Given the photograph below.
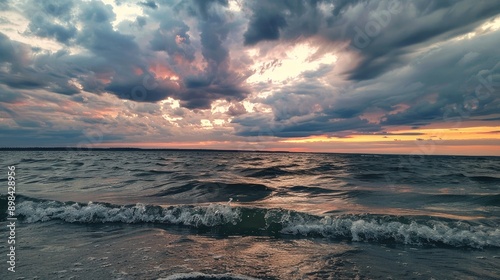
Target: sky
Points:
(406, 77)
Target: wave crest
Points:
(226, 219)
(212, 215)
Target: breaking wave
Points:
(226, 219)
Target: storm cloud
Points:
(382, 31)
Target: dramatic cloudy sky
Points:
(420, 77)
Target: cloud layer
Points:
(243, 71)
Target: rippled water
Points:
(235, 215)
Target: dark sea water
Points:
(249, 215)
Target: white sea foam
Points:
(354, 227)
(364, 229)
(212, 215)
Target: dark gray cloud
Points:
(466, 83)
(150, 4)
(42, 27)
(110, 53)
(9, 96)
(118, 56)
(20, 70)
(43, 16)
(205, 8)
(236, 109)
(383, 32)
(313, 125)
(202, 96)
(429, 22)
(134, 89)
(5, 5)
(23, 137)
(325, 125)
(9, 53)
(454, 82)
(289, 20)
(172, 38)
(61, 9)
(141, 21)
(112, 59)
(216, 81)
(264, 26)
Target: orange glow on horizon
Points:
(481, 141)
(438, 134)
(165, 145)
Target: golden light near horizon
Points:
(434, 134)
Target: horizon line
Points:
(69, 148)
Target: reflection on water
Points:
(315, 183)
(150, 252)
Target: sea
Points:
(166, 214)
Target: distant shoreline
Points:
(209, 150)
(127, 149)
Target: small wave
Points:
(221, 166)
(269, 172)
(225, 219)
(217, 191)
(152, 172)
(322, 169)
(381, 229)
(177, 177)
(31, 160)
(485, 179)
(479, 199)
(311, 190)
(34, 210)
(369, 176)
(256, 158)
(454, 175)
(400, 169)
(320, 191)
(161, 171)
